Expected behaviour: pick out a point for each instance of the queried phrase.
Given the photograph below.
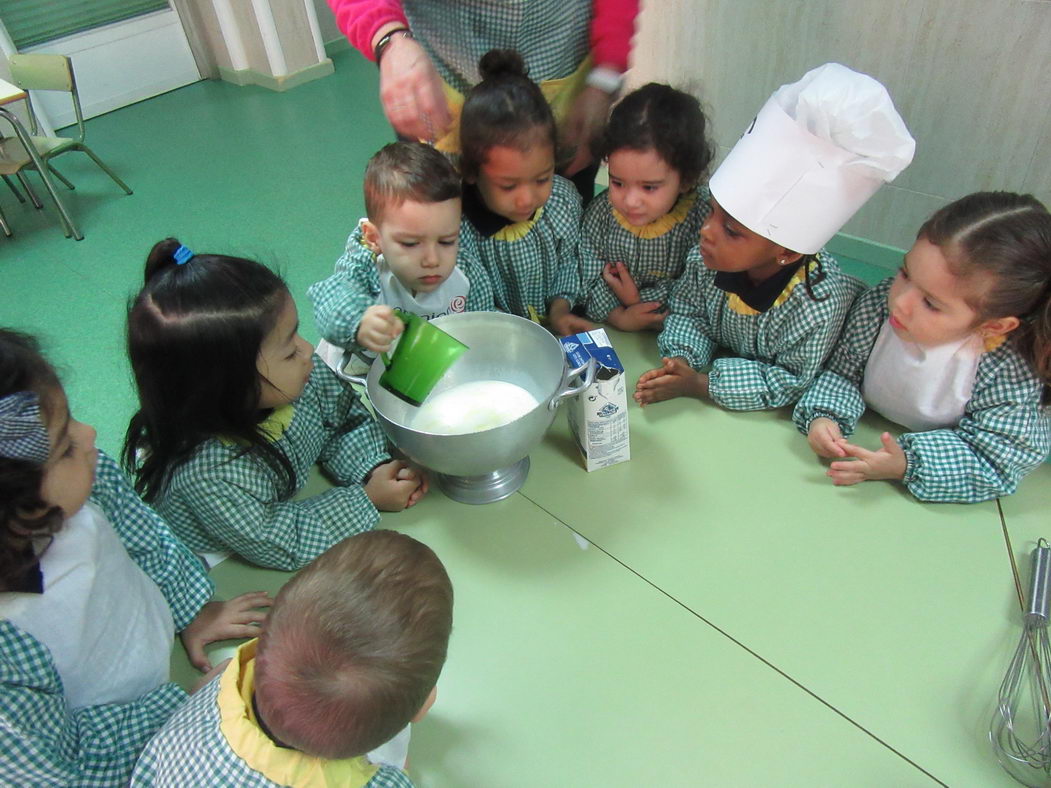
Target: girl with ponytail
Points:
(233, 413)
(957, 348)
(523, 219)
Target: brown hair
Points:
(506, 108)
(1005, 238)
(404, 171)
(24, 368)
(354, 645)
(668, 121)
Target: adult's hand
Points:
(411, 91)
(587, 119)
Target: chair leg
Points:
(29, 190)
(105, 169)
(3, 221)
(60, 176)
(13, 188)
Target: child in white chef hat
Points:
(759, 287)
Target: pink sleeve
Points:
(612, 27)
(360, 19)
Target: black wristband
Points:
(384, 42)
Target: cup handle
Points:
(589, 370)
(406, 318)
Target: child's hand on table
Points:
(211, 674)
(674, 378)
(396, 485)
(379, 328)
(887, 462)
(238, 618)
(643, 316)
(620, 281)
(825, 438)
(563, 322)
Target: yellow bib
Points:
(560, 94)
(279, 764)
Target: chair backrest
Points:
(41, 72)
(46, 72)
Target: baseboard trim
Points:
(247, 76)
(871, 252)
(336, 45)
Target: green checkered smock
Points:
(548, 261)
(654, 260)
(776, 353)
(222, 499)
(43, 741)
(1004, 433)
(192, 751)
(341, 300)
(551, 35)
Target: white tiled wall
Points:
(971, 78)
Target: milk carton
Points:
(598, 416)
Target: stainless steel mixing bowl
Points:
(480, 467)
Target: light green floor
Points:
(727, 618)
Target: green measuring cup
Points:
(423, 355)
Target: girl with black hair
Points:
(93, 586)
(523, 219)
(957, 348)
(234, 412)
(760, 290)
(643, 226)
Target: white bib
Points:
(450, 296)
(922, 388)
(106, 623)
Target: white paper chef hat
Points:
(815, 153)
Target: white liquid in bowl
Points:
(473, 407)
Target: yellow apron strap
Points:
(535, 316)
(560, 94)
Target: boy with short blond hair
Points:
(407, 254)
(350, 656)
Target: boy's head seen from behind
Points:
(412, 200)
(354, 645)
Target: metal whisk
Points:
(1021, 727)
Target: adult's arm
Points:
(410, 88)
(362, 21)
(612, 26)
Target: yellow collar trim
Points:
(250, 744)
(990, 344)
(518, 230)
(740, 307)
(659, 227)
(273, 426)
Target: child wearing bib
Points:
(956, 348)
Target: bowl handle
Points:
(589, 370)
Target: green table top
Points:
(729, 617)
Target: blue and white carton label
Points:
(598, 416)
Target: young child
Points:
(403, 255)
(524, 219)
(957, 348)
(645, 223)
(93, 587)
(760, 285)
(350, 656)
(234, 412)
